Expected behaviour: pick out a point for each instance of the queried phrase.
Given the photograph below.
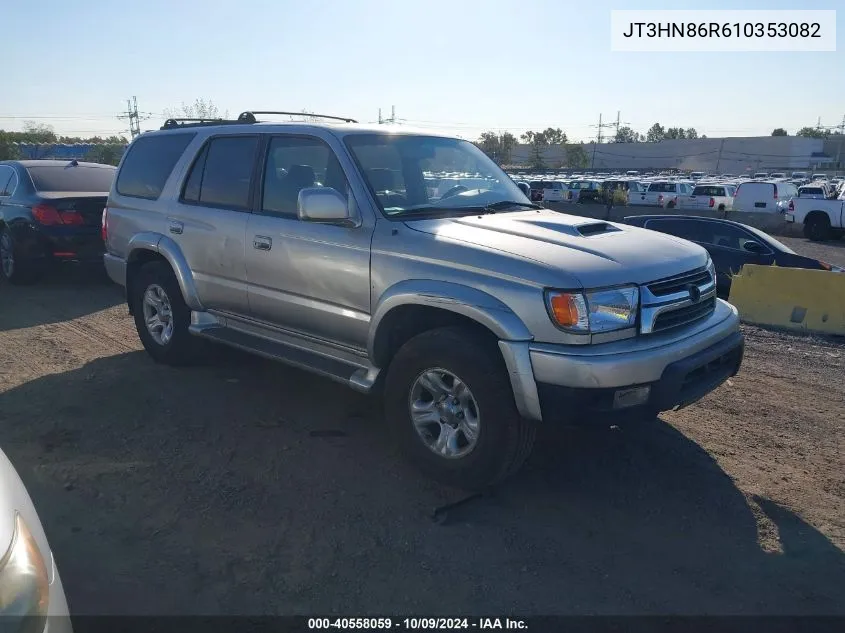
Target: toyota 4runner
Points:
(475, 313)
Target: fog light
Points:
(631, 397)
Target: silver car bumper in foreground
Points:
(661, 371)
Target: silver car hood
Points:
(596, 252)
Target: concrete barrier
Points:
(772, 223)
(793, 298)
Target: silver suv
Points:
(352, 252)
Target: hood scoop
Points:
(594, 228)
(587, 229)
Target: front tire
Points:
(449, 401)
(161, 315)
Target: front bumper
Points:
(678, 367)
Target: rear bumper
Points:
(790, 217)
(63, 243)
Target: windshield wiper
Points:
(504, 204)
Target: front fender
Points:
(475, 304)
(170, 250)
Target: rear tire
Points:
(161, 315)
(15, 268)
(502, 438)
(817, 228)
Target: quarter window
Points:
(148, 164)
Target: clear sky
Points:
(456, 65)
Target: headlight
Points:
(711, 267)
(596, 310)
(24, 582)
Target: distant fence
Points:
(773, 223)
(59, 151)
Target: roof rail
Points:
(173, 123)
(249, 116)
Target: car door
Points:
(209, 220)
(306, 277)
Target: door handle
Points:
(262, 243)
(176, 227)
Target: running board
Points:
(359, 377)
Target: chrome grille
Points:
(676, 301)
(698, 277)
(683, 316)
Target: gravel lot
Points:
(243, 486)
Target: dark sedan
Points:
(50, 210)
(731, 245)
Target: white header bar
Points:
(723, 31)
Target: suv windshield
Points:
(410, 175)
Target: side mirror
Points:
(525, 189)
(324, 205)
(754, 247)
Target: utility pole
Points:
(599, 137)
(132, 115)
(392, 118)
(719, 157)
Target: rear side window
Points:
(7, 180)
(148, 164)
(71, 177)
(686, 229)
(222, 174)
(708, 191)
(662, 187)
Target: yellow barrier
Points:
(811, 300)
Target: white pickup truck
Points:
(822, 219)
(662, 193)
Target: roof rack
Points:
(170, 124)
(249, 116)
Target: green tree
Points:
(38, 132)
(812, 132)
(779, 131)
(106, 154)
(576, 157)
(8, 151)
(497, 146)
(675, 132)
(655, 133)
(507, 141)
(538, 142)
(554, 136)
(199, 109)
(626, 134)
(692, 132)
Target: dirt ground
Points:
(243, 486)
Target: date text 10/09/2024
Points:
(722, 30)
(417, 624)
